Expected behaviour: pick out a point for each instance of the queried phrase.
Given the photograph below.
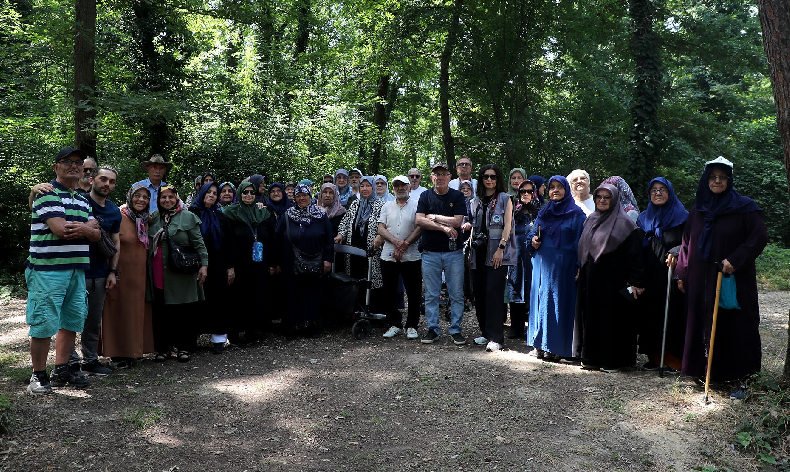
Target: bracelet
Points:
(114, 271)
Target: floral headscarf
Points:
(304, 216)
(140, 219)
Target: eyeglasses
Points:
(489, 176)
(658, 191)
(463, 164)
(442, 174)
(71, 162)
(526, 190)
(380, 183)
(248, 192)
(414, 176)
(718, 178)
(602, 197)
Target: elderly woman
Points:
(174, 294)
(218, 238)
(254, 260)
(663, 223)
(277, 202)
(519, 275)
(329, 201)
(610, 251)
(227, 195)
(540, 188)
(493, 250)
(382, 189)
(126, 332)
(514, 179)
(258, 182)
(627, 199)
(555, 265)
(289, 191)
(580, 188)
(307, 249)
(723, 228)
(359, 228)
(343, 187)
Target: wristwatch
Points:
(502, 245)
(114, 271)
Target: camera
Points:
(479, 241)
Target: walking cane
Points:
(719, 268)
(666, 316)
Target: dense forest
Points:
(296, 88)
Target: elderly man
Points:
(61, 225)
(157, 168)
(440, 213)
(580, 189)
(400, 258)
(415, 189)
(88, 170)
(464, 168)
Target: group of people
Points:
(584, 275)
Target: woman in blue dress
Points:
(555, 267)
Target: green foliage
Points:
(773, 268)
(6, 419)
(143, 418)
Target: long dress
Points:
(213, 319)
(126, 329)
(552, 301)
(608, 320)
(739, 238)
(519, 276)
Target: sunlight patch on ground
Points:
(260, 388)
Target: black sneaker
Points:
(429, 337)
(218, 348)
(39, 385)
(69, 375)
(95, 368)
(458, 339)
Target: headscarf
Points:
(234, 195)
(513, 192)
(539, 182)
(140, 219)
(304, 216)
(554, 213)
(278, 207)
(605, 231)
(167, 215)
(533, 207)
(206, 174)
(248, 214)
(209, 222)
(469, 183)
(256, 180)
(336, 208)
(345, 191)
(365, 205)
(657, 218)
(627, 200)
(712, 206)
(387, 197)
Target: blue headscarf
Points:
(284, 204)
(712, 206)
(539, 182)
(365, 205)
(554, 213)
(344, 191)
(209, 223)
(656, 218)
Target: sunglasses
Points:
(526, 190)
(414, 176)
(248, 192)
(87, 170)
(489, 176)
(463, 164)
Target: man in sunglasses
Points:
(88, 170)
(464, 168)
(62, 225)
(415, 189)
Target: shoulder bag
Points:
(304, 264)
(183, 259)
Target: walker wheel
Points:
(361, 329)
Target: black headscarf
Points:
(209, 222)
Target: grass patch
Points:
(773, 268)
(5, 413)
(143, 418)
(9, 367)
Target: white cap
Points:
(720, 160)
(402, 179)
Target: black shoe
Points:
(570, 361)
(515, 334)
(652, 367)
(69, 375)
(39, 385)
(429, 337)
(218, 348)
(458, 339)
(95, 368)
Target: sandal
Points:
(160, 357)
(183, 356)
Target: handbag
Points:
(105, 245)
(728, 296)
(304, 264)
(183, 259)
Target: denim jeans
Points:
(453, 265)
(90, 333)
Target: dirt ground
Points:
(337, 403)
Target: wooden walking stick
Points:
(666, 316)
(713, 330)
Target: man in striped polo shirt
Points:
(61, 227)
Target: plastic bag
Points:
(727, 298)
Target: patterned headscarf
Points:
(219, 200)
(533, 207)
(304, 216)
(140, 219)
(166, 215)
(335, 208)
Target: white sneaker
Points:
(481, 341)
(392, 332)
(411, 333)
(493, 346)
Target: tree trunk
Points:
(444, 86)
(84, 76)
(379, 121)
(775, 21)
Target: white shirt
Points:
(400, 222)
(456, 184)
(415, 194)
(587, 206)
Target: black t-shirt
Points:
(450, 204)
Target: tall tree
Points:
(84, 76)
(444, 84)
(775, 21)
